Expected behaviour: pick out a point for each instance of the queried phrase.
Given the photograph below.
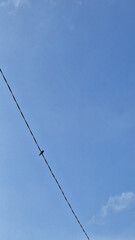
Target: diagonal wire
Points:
(41, 153)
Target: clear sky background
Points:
(71, 65)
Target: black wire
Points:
(44, 156)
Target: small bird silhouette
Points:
(41, 152)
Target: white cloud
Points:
(118, 203)
(14, 3)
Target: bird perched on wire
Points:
(41, 153)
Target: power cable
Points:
(42, 153)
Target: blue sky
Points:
(71, 65)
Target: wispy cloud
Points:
(14, 3)
(18, 3)
(54, 2)
(4, 3)
(118, 203)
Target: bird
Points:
(41, 153)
